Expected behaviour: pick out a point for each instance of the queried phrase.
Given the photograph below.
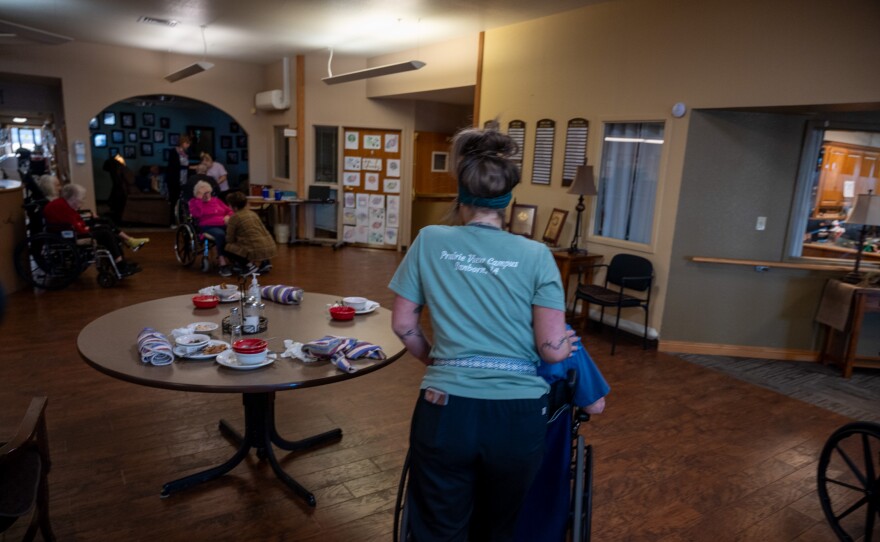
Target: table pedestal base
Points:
(259, 433)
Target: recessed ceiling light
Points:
(155, 20)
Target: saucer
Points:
(199, 355)
(227, 359)
(370, 307)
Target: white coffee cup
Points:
(357, 303)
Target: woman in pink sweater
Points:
(212, 215)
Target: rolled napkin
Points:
(339, 350)
(154, 347)
(279, 293)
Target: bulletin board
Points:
(371, 186)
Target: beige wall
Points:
(632, 60)
(450, 64)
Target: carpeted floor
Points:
(857, 397)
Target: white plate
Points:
(371, 306)
(181, 353)
(203, 327)
(227, 359)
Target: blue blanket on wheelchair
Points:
(591, 385)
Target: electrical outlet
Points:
(761, 224)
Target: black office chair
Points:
(24, 466)
(626, 272)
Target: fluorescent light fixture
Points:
(188, 71)
(19, 120)
(634, 140)
(378, 71)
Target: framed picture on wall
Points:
(158, 136)
(146, 149)
(241, 141)
(149, 119)
(522, 219)
(225, 142)
(99, 140)
(129, 151)
(233, 127)
(173, 139)
(93, 123)
(145, 133)
(201, 140)
(439, 162)
(114, 151)
(109, 118)
(127, 120)
(231, 158)
(164, 122)
(554, 226)
(132, 136)
(117, 136)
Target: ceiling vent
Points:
(153, 20)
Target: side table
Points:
(576, 263)
(840, 347)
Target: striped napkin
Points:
(279, 293)
(342, 349)
(154, 347)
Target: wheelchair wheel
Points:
(849, 481)
(106, 279)
(582, 489)
(48, 261)
(400, 517)
(185, 245)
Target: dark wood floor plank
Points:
(682, 453)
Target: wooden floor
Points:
(682, 453)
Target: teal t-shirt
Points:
(480, 284)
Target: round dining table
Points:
(109, 344)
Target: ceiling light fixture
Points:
(192, 69)
(378, 71)
(19, 120)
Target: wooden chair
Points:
(626, 272)
(24, 466)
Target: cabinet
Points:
(842, 164)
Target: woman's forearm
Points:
(405, 324)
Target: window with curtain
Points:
(628, 174)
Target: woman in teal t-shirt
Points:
(497, 309)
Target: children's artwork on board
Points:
(377, 237)
(373, 142)
(348, 233)
(393, 168)
(392, 186)
(352, 163)
(362, 216)
(362, 200)
(371, 181)
(348, 199)
(351, 140)
(377, 214)
(349, 217)
(372, 164)
(391, 218)
(390, 236)
(392, 143)
(362, 233)
(351, 178)
(393, 203)
(377, 201)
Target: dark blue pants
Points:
(472, 462)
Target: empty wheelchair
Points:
(52, 258)
(189, 242)
(559, 505)
(849, 481)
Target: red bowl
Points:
(205, 301)
(249, 346)
(342, 313)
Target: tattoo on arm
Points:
(414, 332)
(554, 346)
(418, 309)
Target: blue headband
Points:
(498, 202)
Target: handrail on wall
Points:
(764, 265)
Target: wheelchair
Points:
(567, 483)
(52, 258)
(189, 242)
(849, 481)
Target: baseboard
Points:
(782, 354)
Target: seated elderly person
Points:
(64, 211)
(247, 240)
(50, 186)
(212, 215)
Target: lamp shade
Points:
(583, 184)
(866, 210)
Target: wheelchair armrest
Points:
(581, 415)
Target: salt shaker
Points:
(252, 315)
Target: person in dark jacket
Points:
(177, 173)
(247, 240)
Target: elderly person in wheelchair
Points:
(64, 212)
(212, 215)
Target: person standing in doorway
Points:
(176, 173)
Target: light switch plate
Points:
(761, 224)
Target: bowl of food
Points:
(226, 291)
(205, 301)
(192, 342)
(204, 327)
(342, 313)
(250, 351)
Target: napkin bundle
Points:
(279, 293)
(154, 347)
(339, 350)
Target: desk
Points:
(258, 204)
(108, 344)
(571, 263)
(840, 345)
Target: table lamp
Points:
(867, 213)
(583, 185)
